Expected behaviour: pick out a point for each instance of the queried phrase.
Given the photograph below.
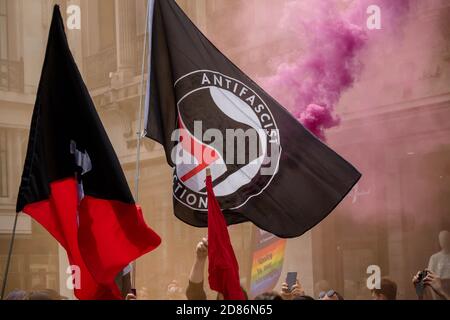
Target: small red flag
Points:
(223, 266)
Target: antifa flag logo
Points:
(235, 135)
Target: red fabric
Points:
(107, 237)
(112, 234)
(223, 267)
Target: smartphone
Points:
(291, 279)
(420, 285)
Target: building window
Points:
(3, 165)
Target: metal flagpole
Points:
(140, 133)
(8, 260)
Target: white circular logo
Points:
(225, 126)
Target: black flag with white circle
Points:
(266, 167)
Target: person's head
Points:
(269, 296)
(16, 295)
(330, 295)
(220, 296)
(46, 294)
(303, 298)
(320, 286)
(144, 293)
(444, 240)
(387, 291)
(175, 291)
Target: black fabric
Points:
(312, 179)
(64, 112)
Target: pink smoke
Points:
(330, 63)
(317, 119)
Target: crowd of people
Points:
(431, 283)
(427, 283)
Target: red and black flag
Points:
(266, 167)
(72, 183)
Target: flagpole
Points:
(140, 133)
(8, 260)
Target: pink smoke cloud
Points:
(329, 61)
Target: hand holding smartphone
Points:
(291, 280)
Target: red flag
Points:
(223, 266)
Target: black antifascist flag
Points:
(72, 182)
(266, 167)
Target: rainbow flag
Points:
(267, 264)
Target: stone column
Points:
(125, 40)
